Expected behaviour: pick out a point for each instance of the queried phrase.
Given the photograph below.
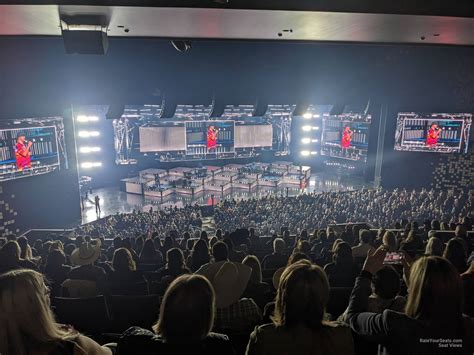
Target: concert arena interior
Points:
(236, 177)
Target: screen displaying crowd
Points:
(363, 272)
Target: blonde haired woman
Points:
(27, 325)
(298, 322)
(432, 322)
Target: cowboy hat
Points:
(229, 280)
(86, 254)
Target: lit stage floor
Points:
(112, 200)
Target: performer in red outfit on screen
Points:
(212, 137)
(346, 138)
(433, 135)
(22, 153)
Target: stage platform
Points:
(113, 200)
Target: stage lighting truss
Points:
(123, 141)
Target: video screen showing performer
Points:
(23, 153)
(433, 135)
(433, 132)
(30, 147)
(212, 133)
(346, 137)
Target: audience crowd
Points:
(363, 272)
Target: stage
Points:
(113, 200)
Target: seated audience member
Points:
(25, 249)
(56, 270)
(10, 258)
(434, 247)
(149, 255)
(389, 242)
(199, 255)
(175, 265)
(456, 254)
(468, 283)
(127, 244)
(230, 280)
(412, 244)
(433, 310)
(278, 258)
(298, 322)
(167, 245)
(234, 255)
(84, 257)
(27, 325)
(220, 252)
(385, 289)
(124, 272)
(139, 242)
(257, 290)
(461, 232)
(360, 251)
(255, 242)
(184, 326)
(342, 271)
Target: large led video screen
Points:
(30, 147)
(437, 132)
(209, 137)
(346, 136)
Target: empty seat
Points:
(88, 315)
(127, 311)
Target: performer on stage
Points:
(212, 137)
(433, 135)
(346, 138)
(22, 153)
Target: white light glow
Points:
(316, 116)
(89, 149)
(305, 153)
(307, 115)
(315, 128)
(314, 153)
(83, 118)
(314, 141)
(87, 134)
(306, 128)
(91, 164)
(305, 140)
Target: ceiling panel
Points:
(208, 23)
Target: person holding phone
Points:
(433, 310)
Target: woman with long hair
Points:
(27, 325)
(184, 325)
(456, 254)
(298, 323)
(341, 272)
(199, 255)
(149, 254)
(124, 275)
(433, 311)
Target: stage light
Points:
(315, 128)
(83, 118)
(314, 153)
(91, 164)
(306, 128)
(314, 141)
(305, 140)
(305, 153)
(307, 115)
(89, 149)
(87, 134)
(316, 116)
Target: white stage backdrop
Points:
(162, 139)
(248, 136)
